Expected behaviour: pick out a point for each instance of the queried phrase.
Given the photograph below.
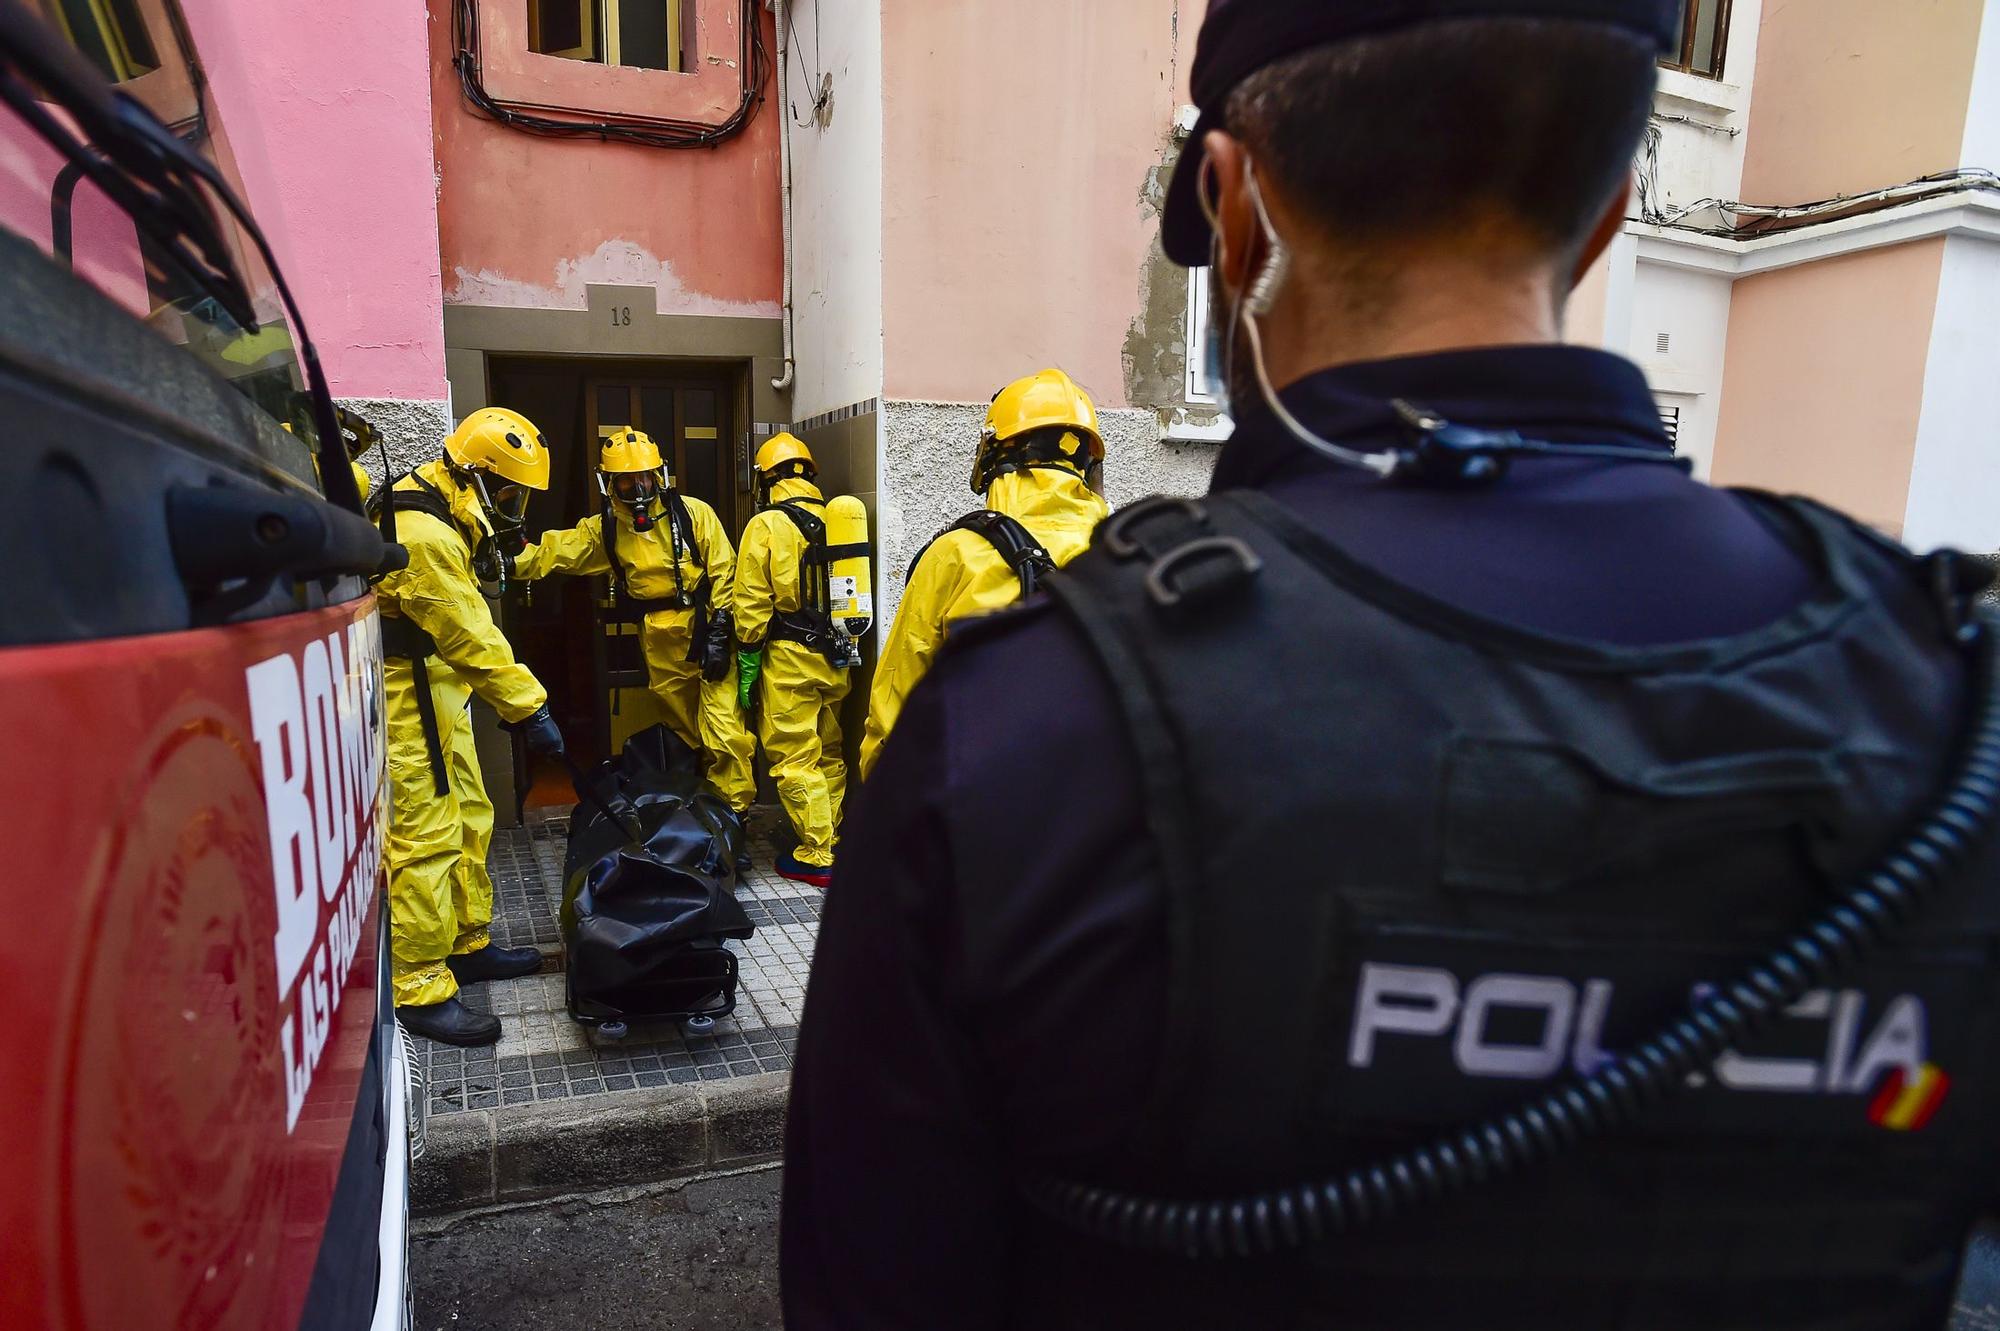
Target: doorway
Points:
(684, 417)
(568, 630)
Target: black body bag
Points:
(649, 897)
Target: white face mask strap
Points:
(1245, 310)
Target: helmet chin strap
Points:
(1439, 453)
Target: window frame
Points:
(1683, 61)
(600, 23)
(111, 35)
(1197, 339)
(586, 11)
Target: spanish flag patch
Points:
(1907, 1100)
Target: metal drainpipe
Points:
(783, 382)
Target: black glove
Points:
(540, 732)
(718, 647)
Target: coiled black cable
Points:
(1866, 917)
(646, 131)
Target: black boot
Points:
(450, 1022)
(494, 962)
(743, 865)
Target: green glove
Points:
(748, 666)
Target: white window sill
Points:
(1684, 93)
(1208, 430)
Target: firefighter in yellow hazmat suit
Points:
(458, 516)
(359, 436)
(790, 649)
(672, 562)
(1036, 460)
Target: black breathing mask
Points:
(639, 491)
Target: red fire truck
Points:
(202, 1090)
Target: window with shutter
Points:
(1670, 419)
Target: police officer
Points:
(672, 565)
(788, 648)
(1333, 950)
(459, 516)
(1038, 457)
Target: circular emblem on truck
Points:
(173, 1154)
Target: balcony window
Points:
(1704, 26)
(109, 33)
(642, 34)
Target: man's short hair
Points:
(1426, 130)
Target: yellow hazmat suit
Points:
(702, 712)
(361, 481)
(962, 574)
(799, 715)
(440, 895)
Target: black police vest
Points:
(1421, 865)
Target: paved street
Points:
(544, 1055)
(699, 1256)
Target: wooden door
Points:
(685, 418)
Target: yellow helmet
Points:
(781, 448)
(1048, 401)
(631, 470)
(503, 442)
(356, 431)
(630, 450)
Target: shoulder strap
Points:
(815, 595)
(1028, 557)
(607, 531)
(1955, 583)
(680, 527)
(426, 498)
(811, 525)
(1151, 563)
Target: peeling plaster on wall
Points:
(1155, 352)
(412, 430)
(614, 263)
(927, 454)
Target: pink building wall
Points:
(1016, 145)
(329, 113)
(1852, 95)
(529, 222)
(1825, 380)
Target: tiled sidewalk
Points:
(543, 1055)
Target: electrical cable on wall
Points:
(1750, 219)
(817, 83)
(646, 131)
(1646, 179)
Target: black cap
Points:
(1240, 37)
